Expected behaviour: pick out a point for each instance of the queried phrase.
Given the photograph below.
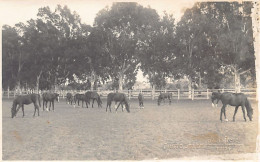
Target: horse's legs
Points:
(86, 103)
(23, 110)
(108, 105)
(120, 103)
(235, 113)
(225, 113)
(17, 109)
(170, 101)
(222, 111)
(122, 107)
(35, 110)
(243, 109)
(42, 105)
(52, 105)
(38, 110)
(93, 102)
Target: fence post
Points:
(178, 94)
(223, 90)
(8, 92)
(192, 94)
(207, 93)
(153, 94)
(129, 95)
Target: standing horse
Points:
(141, 100)
(49, 97)
(94, 96)
(118, 97)
(81, 97)
(69, 98)
(233, 99)
(26, 100)
(164, 96)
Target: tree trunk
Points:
(120, 82)
(18, 86)
(189, 86)
(38, 82)
(92, 80)
(237, 81)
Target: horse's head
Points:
(214, 96)
(250, 114)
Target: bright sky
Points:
(15, 11)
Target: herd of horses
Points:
(227, 98)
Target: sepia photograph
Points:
(130, 80)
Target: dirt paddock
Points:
(183, 129)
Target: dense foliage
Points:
(211, 42)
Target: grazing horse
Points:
(94, 96)
(81, 97)
(233, 99)
(69, 98)
(164, 96)
(141, 100)
(49, 97)
(26, 100)
(118, 97)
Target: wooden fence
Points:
(132, 94)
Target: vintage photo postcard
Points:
(129, 80)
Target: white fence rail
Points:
(177, 94)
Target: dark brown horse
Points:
(26, 100)
(233, 99)
(81, 97)
(49, 97)
(164, 96)
(69, 98)
(141, 100)
(118, 97)
(94, 96)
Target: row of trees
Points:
(210, 41)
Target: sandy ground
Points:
(185, 129)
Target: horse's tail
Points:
(127, 106)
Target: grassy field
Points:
(183, 129)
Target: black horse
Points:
(81, 97)
(26, 100)
(118, 97)
(141, 100)
(94, 96)
(164, 96)
(233, 99)
(69, 98)
(49, 97)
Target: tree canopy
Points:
(211, 42)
